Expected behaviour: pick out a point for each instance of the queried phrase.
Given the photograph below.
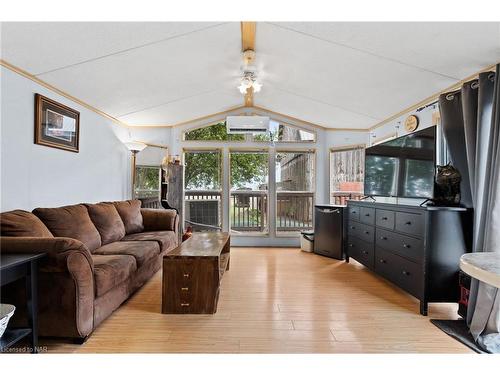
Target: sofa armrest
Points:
(160, 219)
(58, 250)
(66, 282)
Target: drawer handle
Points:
(382, 261)
(408, 223)
(186, 275)
(367, 215)
(365, 252)
(353, 227)
(406, 246)
(184, 304)
(350, 245)
(185, 289)
(383, 238)
(367, 232)
(353, 212)
(406, 273)
(385, 218)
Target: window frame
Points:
(266, 150)
(159, 180)
(358, 146)
(220, 150)
(293, 234)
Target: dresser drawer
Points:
(360, 250)
(353, 212)
(402, 272)
(384, 219)
(408, 247)
(367, 215)
(362, 231)
(410, 223)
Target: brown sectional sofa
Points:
(98, 255)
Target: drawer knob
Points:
(367, 215)
(353, 227)
(186, 275)
(365, 252)
(383, 238)
(408, 223)
(185, 289)
(367, 232)
(353, 212)
(385, 218)
(382, 261)
(350, 245)
(406, 273)
(184, 304)
(406, 246)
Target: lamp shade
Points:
(135, 146)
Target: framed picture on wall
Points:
(56, 125)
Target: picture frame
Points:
(56, 125)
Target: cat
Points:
(447, 186)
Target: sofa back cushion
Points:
(130, 212)
(71, 221)
(107, 221)
(19, 223)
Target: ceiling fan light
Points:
(257, 86)
(242, 88)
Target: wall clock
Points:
(411, 123)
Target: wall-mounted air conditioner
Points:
(247, 124)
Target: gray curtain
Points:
(471, 125)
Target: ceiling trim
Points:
(431, 98)
(291, 118)
(37, 80)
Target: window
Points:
(147, 182)
(248, 206)
(346, 174)
(216, 132)
(203, 189)
(295, 172)
(280, 132)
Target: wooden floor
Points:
(279, 301)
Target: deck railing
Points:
(341, 197)
(294, 210)
(248, 210)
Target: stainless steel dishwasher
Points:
(329, 230)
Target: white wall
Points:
(39, 176)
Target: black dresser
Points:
(416, 248)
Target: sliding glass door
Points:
(203, 189)
(249, 178)
(295, 171)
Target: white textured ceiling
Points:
(338, 75)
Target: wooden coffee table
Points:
(192, 273)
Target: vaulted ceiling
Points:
(337, 75)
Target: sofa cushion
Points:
(111, 270)
(166, 239)
(19, 223)
(71, 221)
(107, 221)
(130, 212)
(142, 251)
